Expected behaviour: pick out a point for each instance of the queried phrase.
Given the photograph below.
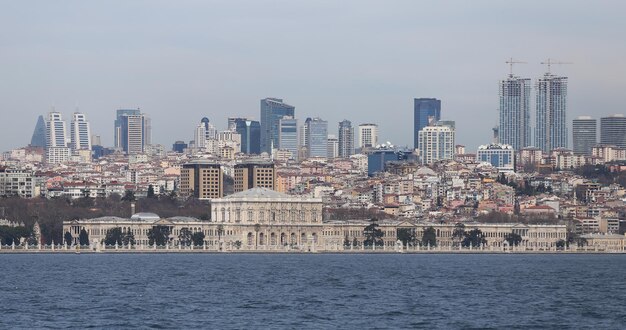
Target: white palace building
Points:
(261, 219)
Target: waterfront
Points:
(312, 291)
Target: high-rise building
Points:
(514, 129)
(346, 139)
(332, 151)
(551, 113)
(57, 150)
(39, 134)
(80, 132)
(272, 110)
(368, 135)
(202, 180)
(584, 135)
(288, 138)
(436, 142)
(251, 175)
(501, 156)
(131, 134)
(317, 138)
(250, 131)
(423, 110)
(118, 124)
(613, 130)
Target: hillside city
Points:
(324, 185)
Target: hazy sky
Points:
(360, 60)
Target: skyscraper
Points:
(346, 139)
(118, 124)
(56, 139)
(423, 108)
(514, 127)
(317, 138)
(613, 130)
(80, 132)
(272, 110)
(288, 138)
(368, 135)
(39, 134)
(250, 131)
(332, 150)
(551, 122)
(132, 135)
(436, 143)
(584, 135)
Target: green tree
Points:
(113, 236)
(198, 238)
(68, 238)
(129, 196)
(128, 238)
(373, 235)
(459, 233)
(560, 244)
(355, 242)
(513, 239)
(407, 236)
(151, 192)
(83, 237)
(429, 237)
(237, 244)
(184, 237)
(159, 235)
(474, 238)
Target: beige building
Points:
(252, 175)
(204, 180)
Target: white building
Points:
(501, 156)
(333, 147)
(436, 143)
(80, 132)
(368, 135)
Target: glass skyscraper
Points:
(423, 109)
(551, 122)
(250, 131)
(118, 124)
(584, 135)
(514, 127)
(346, 139)
(272, 110)
(288, 136)
(317, 138)
(613, 130)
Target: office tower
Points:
(56, 139)
(514, 129)
(272, 110)
(436, 143)
(251, 175)
(179, 147)
(317, 137)
(500, 156)
(346, 139)
(96, 140)
(118, 124)
(80, 132)
(288, 138)
(584, 135)
(132, 136)
(203, 180)
(613, 130)
(551, 122)
(250, 131)
(232, 122)
(368, 135)
(39, 134)
(147, 130)
(423, 108)
(332, 150)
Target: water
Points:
(312, 291)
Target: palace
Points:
(265, 220)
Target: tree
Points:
(83, 237)
(159, 235)
(184, 237)
(129, 196)
(513, 239)
(198, 238)
(355, 242)
(113, 236)
(151, 192)
(128, 238)
(346, 241)
(407, 236)
(373, 235)
(68, 238)
(459, 232)
(560, 244)
(429, 237)
(474, 238)
(237, 244)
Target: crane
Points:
(510, 62)
(550, 61)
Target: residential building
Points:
(254, 174)
(514, 129)
(551, 113)
(332, 150)
(131, 134)
(584, 135)
(423, 110)
(203, 180)
(346, 139)
(436, 142)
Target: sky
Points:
(360, 60)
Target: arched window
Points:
(272, 239)
(261, 239)
(250, 239)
